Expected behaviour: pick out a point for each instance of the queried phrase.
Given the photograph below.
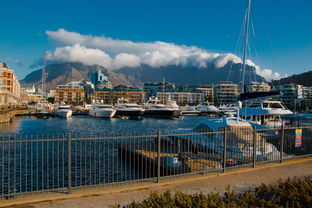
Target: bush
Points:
(290, 193)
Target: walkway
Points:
(240, 180)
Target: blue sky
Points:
(282, 38)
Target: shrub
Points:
(290, 193)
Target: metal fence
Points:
(61, 163)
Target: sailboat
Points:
(258, 111)
(40, 109)
(242, 134)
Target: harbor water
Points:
(87, 124)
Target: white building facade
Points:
(9, 86)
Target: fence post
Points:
(224, 148)
(282, 143)
(254, 152)
(69, 164)
(158, 155)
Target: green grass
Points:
(290, 193)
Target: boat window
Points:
(275, 105)
(102, 107)
(265, 105)
(254, 105)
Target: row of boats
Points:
(123, 108)
(264, 112)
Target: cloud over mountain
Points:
(115, 54)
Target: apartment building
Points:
(225, 92)
(110, 96)
(152, 88)
(291, 93)
(182, 98)
(208, 92)
(71, 93)
(9, 86)
(258, 87)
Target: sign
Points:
(298, 138)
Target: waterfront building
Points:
(208, 92)
(71, 93)
(100, 80)
(30, 95)
(9, 86)
(23, 96)
(291, 93)
(110, 96)
(52, 93)
(152, 88)
(225, 92)
(182, 98)
(34, 98)
(258, 87)
(307, 92)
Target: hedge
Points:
(290, 193)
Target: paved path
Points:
(240, 180)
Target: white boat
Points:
(239, 138)
(265, 113)
(190, 111)
(126, 109)
(154, 108)
(206, 108)
(101, 110)
(64, 111)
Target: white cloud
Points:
(115, 54)
(126, 60)
(268, 74)
(78, 53)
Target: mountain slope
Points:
(190, 75)
(64, 72)
(301, 79)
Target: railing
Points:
(62, 163)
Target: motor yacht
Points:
(126, 109)
(101, 110)
(64, 111)
(154, 108)
(206, 108)
(190, 111)
(239, 138)
(265, 112)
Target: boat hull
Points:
(64, 114)
(163, 113)
(103, 113)
(191, 113)
(129, 113)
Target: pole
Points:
(158, 155)
(69, 164)
(254, 153)
(224, 149)
(245, 44)
(282, 143)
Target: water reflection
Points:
(86, 124)
(12, 126)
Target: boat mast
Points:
(42, 80)
(163, 90)
(245, 44)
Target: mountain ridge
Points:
(300, 79)
(62, 73)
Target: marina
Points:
(62, 155)
(95, 110)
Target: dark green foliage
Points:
(290, 193)
(302, 79)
